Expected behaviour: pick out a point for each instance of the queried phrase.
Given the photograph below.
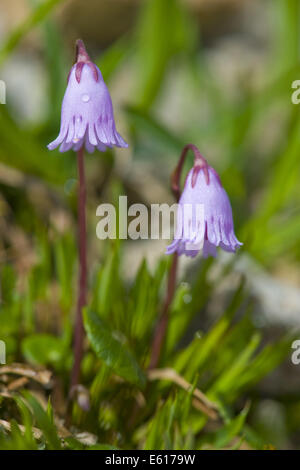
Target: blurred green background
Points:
(215, 73)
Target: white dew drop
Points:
(85, 98)
(78, 121)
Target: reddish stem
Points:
(161, 329)
(82, 285)
(160, 332)
(199, 164)
(83, 58)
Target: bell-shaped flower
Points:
(204, 219)
(87, 116)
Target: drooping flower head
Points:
(205, 215)
(87, 116)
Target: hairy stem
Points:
(81, 300)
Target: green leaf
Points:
(65, 254)
(19, 149)
(113, 56)
(232, 429)
(107, 283)
(143, 303)
(159, 428)
(163, 31)
(57, 69)
(34, 18)
(8, 282)
(111, 350)
(179, 316)
(102, 447)
(267, 360)
(143, 121)
(232, 345)
(74, 444)
(200, 350)
(43, 422)
(44, 349)
(230, 377)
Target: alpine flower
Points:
(211, 227)
(87, 116)
(204, 221)
(87, 121)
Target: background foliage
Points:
(209, 391)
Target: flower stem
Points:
(161, 329)
(81, 300)
(199, 163)
(162, 325)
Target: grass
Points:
(205, 393)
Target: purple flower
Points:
(204, 219)
(87, 116)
